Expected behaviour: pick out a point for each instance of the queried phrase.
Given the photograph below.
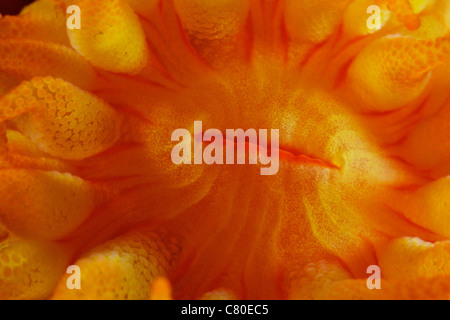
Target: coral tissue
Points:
(86, 176)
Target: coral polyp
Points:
(86, 176)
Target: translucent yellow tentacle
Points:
(123, 268)
(330, 281)
(405, 12)
(110, 37)
(356, 17)
(412, 258)
(313, 21)
(61, 119)
(213, 26)
(429, 205)
(30, 269)
(43, 20)
(395, 70)
(211, 20)
(24, 59)
(43, 205)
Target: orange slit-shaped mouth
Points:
(286, 153)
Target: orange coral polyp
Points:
(86, 177)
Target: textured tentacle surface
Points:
(104, 38)
(42, 20)
(123, 268)
(24, 59)
(61, 119)
(211, 25)
(30, 269)
(395, 70)
(48, 213)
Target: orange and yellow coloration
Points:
(86, 176)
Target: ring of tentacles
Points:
(86, 177)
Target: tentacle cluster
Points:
(86, 177)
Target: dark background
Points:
(12, 6)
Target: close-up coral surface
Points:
(87, 179)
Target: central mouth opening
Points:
(253, 144)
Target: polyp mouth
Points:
(282, 150)
(297, 156)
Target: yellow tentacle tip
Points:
(110, 37)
